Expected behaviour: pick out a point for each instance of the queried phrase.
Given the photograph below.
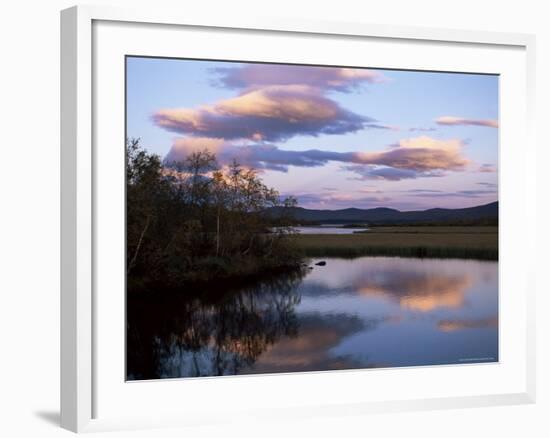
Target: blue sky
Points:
(333, 137)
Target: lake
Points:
(366, 312)
(327, 229)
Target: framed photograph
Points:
(288, 218)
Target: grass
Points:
(475, 242)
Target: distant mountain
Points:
(487, 213)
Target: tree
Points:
(194, 220)
(143, 186)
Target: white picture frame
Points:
(83, 370)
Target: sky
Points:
(333, 137)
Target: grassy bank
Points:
(440, 242)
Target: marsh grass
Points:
(445, 242)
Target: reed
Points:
(479, 243)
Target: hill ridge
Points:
(484, 213)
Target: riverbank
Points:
(476, 242)
(208, 274)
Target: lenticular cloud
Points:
(273, 113)
(457, 121)
(411, 158)
(276, 103)
(324, 78)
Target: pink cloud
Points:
(410, 158)
(375, 172)
(333, 78)
(456, 121)
(321, 200)
(420, 154)
(268, 114)
(487, 168)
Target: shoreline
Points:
(473, 243)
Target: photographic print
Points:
(291, 218)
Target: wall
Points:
(29, 231)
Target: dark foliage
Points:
(192, 222)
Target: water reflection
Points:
(459, 324)
(364, 312)
(311, 350)
(179, 336)
(414, 284)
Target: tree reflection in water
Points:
(347, 314)
(198, 335)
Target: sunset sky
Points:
(333, 137)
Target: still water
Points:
(350, 313)
(326, 229)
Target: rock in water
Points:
(323, 263)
